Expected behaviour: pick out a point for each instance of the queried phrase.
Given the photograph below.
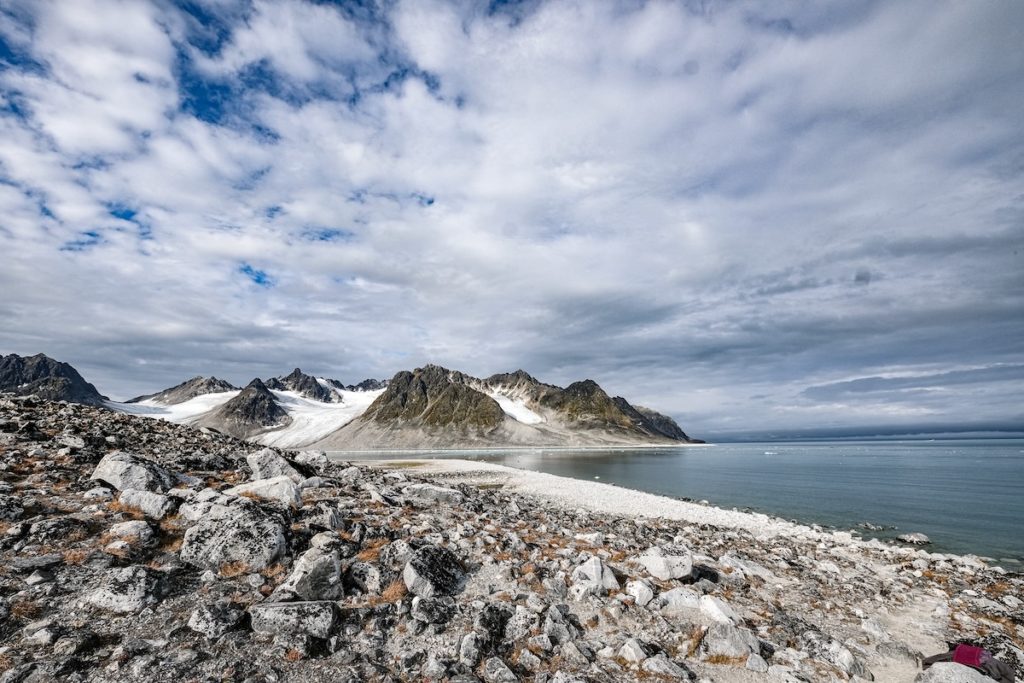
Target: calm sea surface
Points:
(967, 496)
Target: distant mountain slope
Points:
(433, 407)
(249, 414)
(46, 378)
(187, 390)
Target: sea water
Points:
(966, 496)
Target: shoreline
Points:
(613, 499)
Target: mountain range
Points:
(430, 407)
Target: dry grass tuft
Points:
(371, 551)
(25, 609)
(129, 510)
(395, 591)
(230, 570)
(76, 556)
(293, 655)
(725, 659)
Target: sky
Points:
(751, 216)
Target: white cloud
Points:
(676, 204)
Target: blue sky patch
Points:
(258, 277)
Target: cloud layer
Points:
(749, 216)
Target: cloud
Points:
(735, 213)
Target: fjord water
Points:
(967, 496)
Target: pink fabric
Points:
(968, 655)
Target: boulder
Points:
(215, 620)
(660, 665)
(641, 591)
(633, 651)
(592, 578)
(496, 671)
(242, 533)
(365, 577)
(135, 532)
(677, 601)
(267, 464)
(916, 538)
(667, 562)
(428, 494)
(316, 619)
(316, 459)
(153, 505)
(433, 570)
(718, 610)
(315, 576)
(126, 471)
(725, 640)
(10, 508)
(124, 590)
(437, 610)
(281, 489)
(950, 672)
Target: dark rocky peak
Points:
(368, 385)
(519, 378)
(189, 389)
(303, 384)
(436, 397)
(665, 424)
(46, 378)
(254, 409)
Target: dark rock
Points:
(315, 619)
(433, 570)
(47, 378)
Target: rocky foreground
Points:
(138, 550)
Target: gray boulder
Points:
(950, 672)
(241, 533)
(433, 570)
(281, 489)
(153, 505)
(496, 671)
(437, 610)
(316, 619)
(315, 576)
(215, 620)
(124, 590)
(428, 494)
(725, 640)
(126, 471)
(267, 464)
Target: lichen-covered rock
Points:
(433, 570)
(428, 494)
(135, 532)
(316, 576)
(267, 464)
(126, 589)
(496, 671)
(242, 533)
(437, 610)
(126, 471)
(215, 620)
(315, 619)
(10, 508)
(282, 489)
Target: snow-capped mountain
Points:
(290, 411)
(433, 407)
(429, 407)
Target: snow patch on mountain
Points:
(516, 408)
(313, 420)
(183, 412)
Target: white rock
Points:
(632, 651)
(641, 592)
(153, 505)
(312, 458)
(315, 576)
(127, 589)
(718, 610)
(674, 562)
(949, 672)
(678, 601)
